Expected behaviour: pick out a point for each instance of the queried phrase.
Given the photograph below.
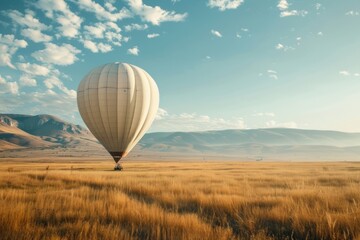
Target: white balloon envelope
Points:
(118, 103)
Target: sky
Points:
(219, 64)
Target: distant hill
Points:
(258, 144)
(270, 137)
(21, 134)
(39, 131)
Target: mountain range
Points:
(41, 131)
(20, 134)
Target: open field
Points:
(179, 200)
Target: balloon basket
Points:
(118, 167)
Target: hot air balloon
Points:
(118, 102)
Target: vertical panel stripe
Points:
(84, 107)
(123, 77)
(89, 107)
(152, 110)
(102, 105)
(111, 95)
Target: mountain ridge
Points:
(21, 132)
(37, 131)
(270, 136)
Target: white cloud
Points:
(352, 13)
(193, 122)
(103, 47)
(161, 113)
(223, 5)
(99, 29)
(344, 73)
(347, 73)
(8, 46)
(110, 7)
(52, 6)
(279, 46)
(59, 11)
(245, 30)
(32, 26)
(54, 81)
(21, 58)
(110, 31)
(264, 114)
(13, 87)
(91, 45)
(8, 87)
(283, 5)
(134, 51)
(320, 33)
(153, 35)
(59, 55)
(101, 13)
(71, 93)
(271, 71)
(47, 101)
(6, 55)
(272, 74)
(113, 26)
(2, 80)
(26, 20)
(35, 35)
(26, 80)
(154, 15)
(301, 13)
(11, 41)
(114, 38)
(96, 31)
(216, 33)
(318, 6)
(70, 25)
(284, 48)
(51, 92)
(135, 26)
(33, 69)
(274, 124)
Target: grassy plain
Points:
(179, 200)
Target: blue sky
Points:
(218, 63)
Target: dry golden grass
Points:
(172, 200)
